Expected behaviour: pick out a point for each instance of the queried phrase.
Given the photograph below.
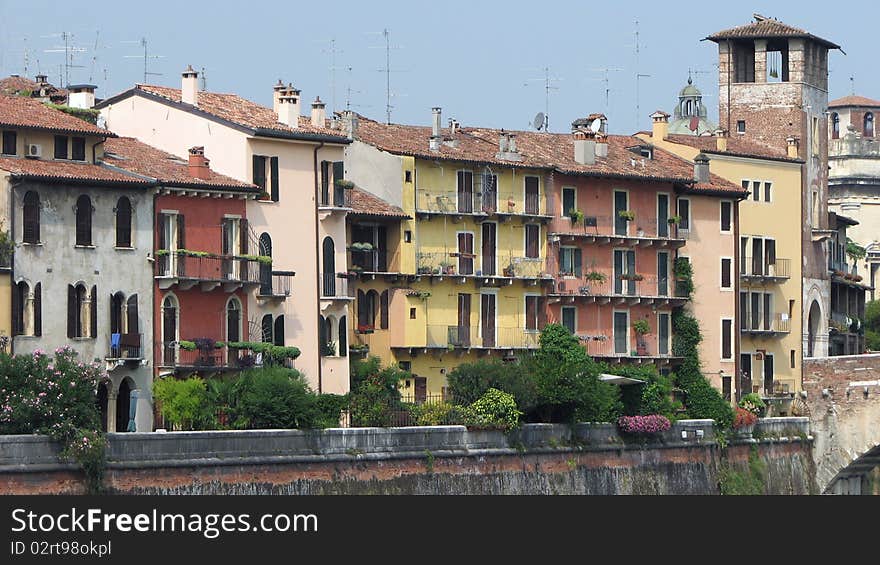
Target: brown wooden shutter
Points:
(161, 221)
(276, 192)
(243, 236)
(71, 311)
(577, 262)
(224, 237)
(17, 311)
(383, 310)
(181, 232)
(93, 330)
(38, 309)
(279, 330)
(343, 336)
(132, 314)
(362, 317)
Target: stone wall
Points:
(537, 459)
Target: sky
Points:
(483, 62)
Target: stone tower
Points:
(773, 93)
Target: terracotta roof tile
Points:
(66, 170)
(14, 85)
(854, 100)
(735, 146)
(768, 28)
(241, 111)
(24, 112)
(364, 203)
(142, 159)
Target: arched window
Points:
(343, 336)
(266, 326)
(170, 325)
(869, 125)
(383, 310)
(689, 108)
(83, 220)
(279, 330)
(123, 222)
(265, 270)
(117, 307)
(322, 333)
(835, 125)
(20, 312)
(233, 320)
(132, 319)
(82, 319)
(329, 277)
(327, 344)
(31, 218)
(372, 307)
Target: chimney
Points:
(198, 164)
(41, 79)
(720, 140)
(349, 123)
(434, 142)
(276, 94)
(511, 142)
(601, 145)
(318, 114)
(190, 86)
(660, 125)
(701, 168)
(81, 96)
(503, 142)
(793, 146)
(288, 108)
(584, 147)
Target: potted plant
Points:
(596, 276)
(344, 184)
(640, 232)
(264, 196)
(636, 277)
(206, 346)
(509, 271)
(627, 215)
(753, 403)
(365, 328)
(576, 215)
(744, 422)
(447, 268)
(641, 327)
(674, 220)
(328, 349)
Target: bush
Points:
(88, 448)
(753, 403)
(496, 409)
(437, 414)
(469, 381)
(650, 424)
(273, 398)
(376, 400)
(657, 398)
(185, 403)
(329, 409)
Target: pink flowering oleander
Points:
(650, 424)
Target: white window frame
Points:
(721, 204)
(564, 213)
(721, 274)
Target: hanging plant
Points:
(627, 215)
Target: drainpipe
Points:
(12, 185)
(317, 253)
(737, 379)
(95, 153)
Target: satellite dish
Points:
(538, 122)
(596, 125)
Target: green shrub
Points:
(469, 381)
(753, 403)
(376, 400)
(495, 409)
(275, 398)
(185, 403)
(329, 409)
(437, 414)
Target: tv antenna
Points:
(332, 51)
(349, 91)
(69, 50)
(203, 79)
(607, 81)
(548, 86)
(146, 57)
(638, 49)
(386, 33)
(852, 85)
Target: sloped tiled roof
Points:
(142, 159)
(15, 85)
(233, 109)
(364, 203)
(66, 170)
(24, 112)
(854, 100)
(768, 28)
(735, 146)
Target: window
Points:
(412, 313)
(663, 333)
(466, 253)
(31, 218)
(815, 137)
(684, 212)
(383, 310)
(26, 309)
(329, 262)
(740, 126)
(569, 318)
(84, 220)
(744, 61)
(531, 195)
(532, 313)
(123, 222)
(78, 149)
(9, 143)
(343, 337)
(367, 304)
(835, 125)
(61, 147)
(791, 355)
(266, 325)
(532, 237)
(569, 201)
(259, 173)
(756, 190)
(570, 261)
(273, 177)
(768, 187)
(465, 196)
(869, 125)
(233, 320)
(279, 331)
(726, 216)
(407, 236)
(621, 333)
(726, 339)
(407, 176)
(726, 273)
(82, 319)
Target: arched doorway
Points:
(265, 269)
(101, 402)
(169, 330)
(813, 328)
(123, 405)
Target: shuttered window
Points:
(83, 220)
(123, 222)
(267, 327)
(569, 203)
(78, 149)
(343, 336)
(9, 143)
(532, 316)
(61, 147)
(259, 171)
(726, 339)
(279, 330)
(726, 272)
(19, 299)
(383, 310)
(38, 309)
(273, 172)
(31, 218)
(726, 215)
(532, 235)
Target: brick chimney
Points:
(198, 163)
(720, 140)
(288, 107)
(660, 125)
(701, 168)
(189, 89)
(319, 115)
(276, 94)
(601, 145)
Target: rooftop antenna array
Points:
(607, 81)
(639, 76)
(146, 57)
(203, 79)
(548, 86)
(69, 51)
(332, 51)
(349, 91)
(386, 33)
(539, 121)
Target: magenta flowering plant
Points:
(650, 424)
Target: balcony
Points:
(604, 288)
(339, 198)
(173, 357)
(275, 285)
(844, 273)
(758, 269)
(480, 205)
(334, 287)
(209, 271)
(368, 260)
(761, 323)
(475, 337)
(125, 348)
(629, 348)
(607, 230)
(486, 269)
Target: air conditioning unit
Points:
(34, 150)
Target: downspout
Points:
(737, 378)
(12, 262)
(317, 254)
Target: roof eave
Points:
(301, 136)
(104, 134)
(134, 183)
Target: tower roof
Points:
(854, 100)
(690, 89)
(768, 28)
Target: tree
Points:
(470, 381)
(872, 325)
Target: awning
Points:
(619, 380)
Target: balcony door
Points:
(745, 363)
(490, 192)
(768, 373)
(662, 215)
(169, 331)
(487, 319)
(621, 333)
(662, 273)
(465, 192)
(624, 268)
(531, 193)
(462, 333)
(621, 203)
(265, 270)
(328, 281)
(465, 253)
(487, 261)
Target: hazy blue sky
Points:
(475, 59)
